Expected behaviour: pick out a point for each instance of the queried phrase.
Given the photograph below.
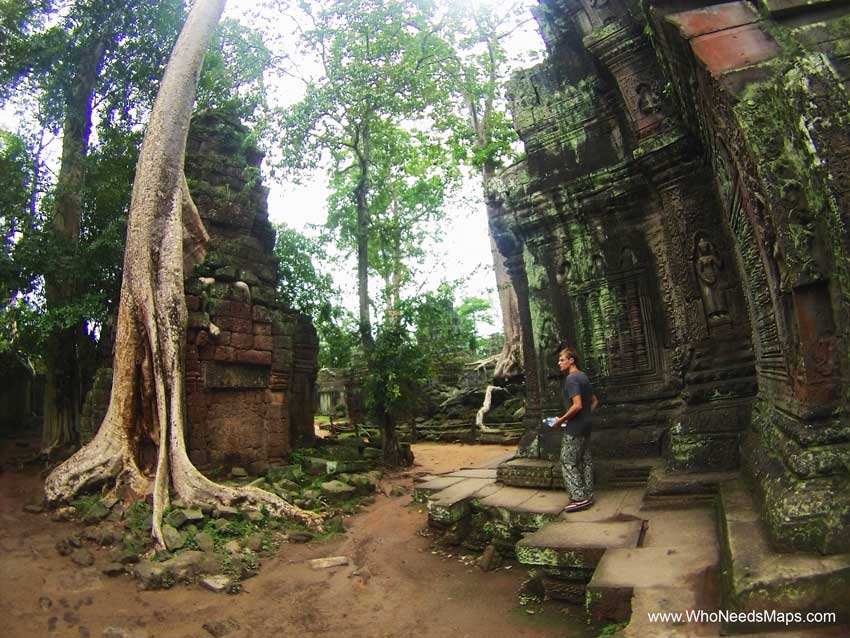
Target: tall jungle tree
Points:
(165, 236)
(478, 73)
(377, 61)
(62, 55)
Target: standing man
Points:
(580, 402)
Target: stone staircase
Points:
(640, 549)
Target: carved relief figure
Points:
(648, 101)
(597, 266)
(564, 272)
(708, 266)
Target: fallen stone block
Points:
(331, 561)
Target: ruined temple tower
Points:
(683, 218)
(251, 363)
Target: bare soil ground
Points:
(395, 586)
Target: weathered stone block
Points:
(527, 473)
(262, 328)
(254, 357)
(262, 342)
(224, 353)
(242, 340)
(261, 314)
(234, 375)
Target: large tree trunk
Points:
(362, 206)
(141, 443)
(509, 362)
(63, 391)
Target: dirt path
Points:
(396, 587)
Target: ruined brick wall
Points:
(250, 363)
(682, 219)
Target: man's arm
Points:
(574, 409)
(594, 403)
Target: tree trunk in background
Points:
(390, 448)
(140, 446)
(509, 363)
(63, 390)
(362, 206)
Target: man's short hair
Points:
(570, 353)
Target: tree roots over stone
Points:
(140, 447)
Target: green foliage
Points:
(480, 126)
(45, 47)
(138, 517)
(232, 74)
(444, 331)
(379, 63)
(303, 287)
(397, 366)
(15, 187)
(85, 503)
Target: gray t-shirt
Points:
(578, 383)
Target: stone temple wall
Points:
(682, 218)
(250, 363)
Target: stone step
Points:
(624, 473)
(676, 490)
(475, 472)
(754, 577)
(568, 544)
(435, 484)
(623, 571)
(546, 474)
(450, 505)
(523, 472)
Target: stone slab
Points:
(717, 17)
(663, 483)
(489, 473)
(571, 544)
(647, 600)
(680, 528)
(653, 566)
(507, 498)
(734, 48)
(545, 502)
(452, 504)
(607, 505)
(220, 375)
(756, 578)
(422, 490)
(672, 577)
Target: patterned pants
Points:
(576, 466)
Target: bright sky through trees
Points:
(464, 251)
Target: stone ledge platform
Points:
(632, 553)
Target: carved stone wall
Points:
(682, 217)
(251, 364)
